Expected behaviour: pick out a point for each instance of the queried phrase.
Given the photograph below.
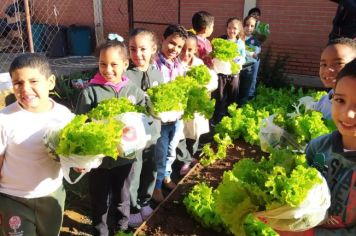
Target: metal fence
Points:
(154, 15)
(67, 31)
(65, 28)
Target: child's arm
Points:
(84, 103)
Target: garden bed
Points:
(170, 217)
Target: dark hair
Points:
(191, 35)
(31, 60)
(112, 44)
(201, 20)
(348, 70)
(344, 41)
(148, 32)
(175, 30)
(241, 33)
(247, 18)
(253, 10)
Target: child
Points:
(110, 183)
(188, 56)
(228, 89)
(188, 59)
(333, 58)
(143, 48)
(256, 13)
(203, 25)
(29, 176)
(235, 33)
(344, 22)
(262, 29)
(167, 62)
(253, 49)
(334, 155)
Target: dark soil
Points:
(170, 217)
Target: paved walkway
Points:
(61, 65)
(69, 65)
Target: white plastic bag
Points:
(308, 102)
(51, 141)
(196, 127)
(77, 161)
(153, 128)
(167, 116)
(311, 212)
(271, 135)
(214, 81)
(139, 130)
(170, 116)
(51, 137)
(222, 67)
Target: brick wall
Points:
(298, 28)
(114, 12)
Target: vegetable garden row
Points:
(258, 189)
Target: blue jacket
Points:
(326, 153)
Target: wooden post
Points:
(179, 8)
(98, 21)
(131, 14)
(28, 25)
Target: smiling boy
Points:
(31, 191)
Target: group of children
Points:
(31, 192)
(241, 87)
(334, 154)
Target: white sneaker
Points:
(135, 220)
(146, 211)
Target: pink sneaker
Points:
(185, 169)
(187, 166)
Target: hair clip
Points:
(192, 30)
(113, 36)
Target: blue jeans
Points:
(246, 77)
(173, 145)
(162, 150)
(252, 91)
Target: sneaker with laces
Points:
(184, 169)
(146, 211)
(135, 220)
